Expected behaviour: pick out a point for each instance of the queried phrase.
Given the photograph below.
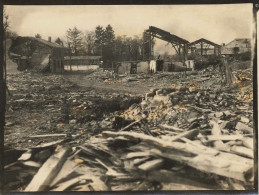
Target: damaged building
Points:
(237, 46)
(38, 54)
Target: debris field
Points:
(159, 131)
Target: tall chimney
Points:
(49, 39)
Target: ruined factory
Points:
(102, 111)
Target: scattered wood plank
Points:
(130, 125)
(151, 165)
(153, 141)
(216, 131)
(248, 142)
(110, 171)
(97, 184)
(236, 185)
(224, 137)
(187, 134)
(52, 135)
(66, 171)
(140, 160)
(220, 163)
(221, 166)
(10, 165)
(169, 176)
(172, 128)
(137, 154)
(202, 110)
(244, 127)
(243, 151)
(50, 144)
(65, 185)
(26, 156)
(48, 135)
(48, 171)
(31, 164)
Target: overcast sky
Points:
(217, 23)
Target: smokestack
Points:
(49, 39)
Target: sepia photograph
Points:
(128, 98)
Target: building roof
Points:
(83, 57)
(205, 41)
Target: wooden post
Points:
(2, 109)
(5, 56)
(228, 73)
(70, 56)
(150, 47)
(201, 48)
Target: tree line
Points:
(103, 42)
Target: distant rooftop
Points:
(45, 42)
(83, 57)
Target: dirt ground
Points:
(35, 102)
(44, 104)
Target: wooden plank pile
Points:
(137, 161)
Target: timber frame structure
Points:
(179, 44)
(204, 46)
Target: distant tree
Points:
(89, 42)
(127, 48)
(38, 36)
(108, 45)
(104, 43)
(59, 41)
(74, 37)
(99, 39)
(109, 35)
